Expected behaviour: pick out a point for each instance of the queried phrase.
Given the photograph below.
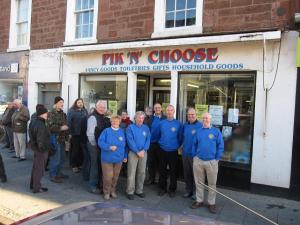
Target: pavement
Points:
(18, 202)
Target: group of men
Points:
(202, 148)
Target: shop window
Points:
(81, 24)
(20, 25)
(177, 17)
(230, 100)
(111, 89)
(9, 91)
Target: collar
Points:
(196, 121)
(115, 128)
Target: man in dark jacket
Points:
(59, 129)
(6, 122)
(41, 145)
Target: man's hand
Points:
(64, 127)
(141, 154)
(113, 148)
(125, 160)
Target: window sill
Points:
(19, 48)
(177, 32)
(80, 42)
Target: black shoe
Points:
(130, 196)
(4, 179)
(6, 146)
(162, 192)
(41, 190)
(149, 182)
(212, 209)
(15, 157)
(141, 195)
(172, 194)
(187, 195)
(21, 159)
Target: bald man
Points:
(208, 147)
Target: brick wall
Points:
(125, 20)
(48, 21)
(243, 15)
(4, 25)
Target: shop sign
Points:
(188, 59)
(11, 68)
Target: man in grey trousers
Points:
(19, 127)
(138, 140)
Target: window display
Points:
(9, 91)
(229, 98)
(111, 89)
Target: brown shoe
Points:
(196, 205)
(212, 209)
(56, 179)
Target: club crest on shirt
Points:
(193, 131)
(121, 138)
(173, 129)
(211, 136)
(145, 133)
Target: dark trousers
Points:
(187, 163)
(168, 159)
(9, 136)
(86, 165)
(153, 160)
(76, 152)
(38, 168)
(2, 170)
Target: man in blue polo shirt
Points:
(208, 147)
(189, 132)
(170, 138)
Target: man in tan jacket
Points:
(19, 127)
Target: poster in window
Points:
(113, 105)
(216, 112)
(20, 92)
(226, 132)
(200, 109)
(233, 115)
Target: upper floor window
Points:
(84, 11)
(20, 18)
(180, 13)
(81, 23)
(177, 17)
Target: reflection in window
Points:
(230, 100)
(9, 91)
(84, 11)
(180, 13)
(112, 89)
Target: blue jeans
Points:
(57, 160)
(94, 159)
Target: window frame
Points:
(13, 30)
(70, 35)
(160, 18)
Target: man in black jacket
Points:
(6, 122)
(41, 145)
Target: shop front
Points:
(235, 79)
(13, 78)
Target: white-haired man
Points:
(19, 127)
(96, 123)
(208, 147)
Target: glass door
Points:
(142, 92)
